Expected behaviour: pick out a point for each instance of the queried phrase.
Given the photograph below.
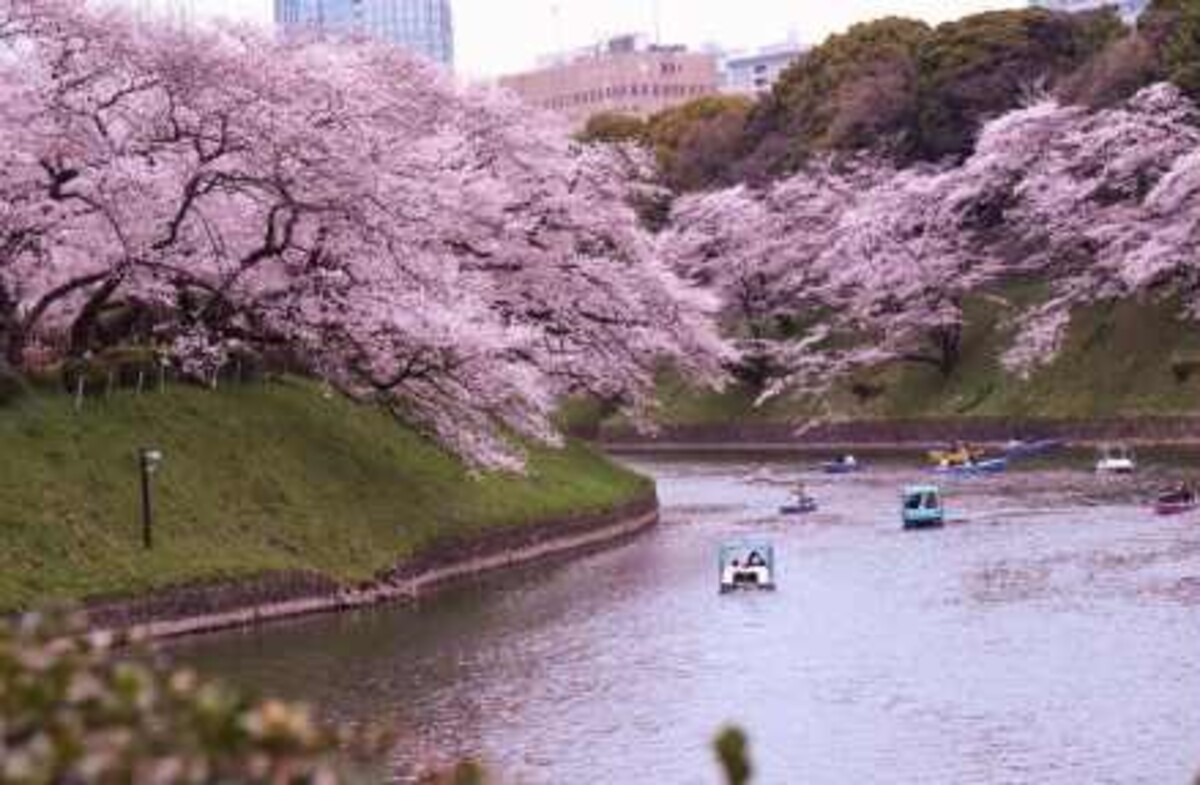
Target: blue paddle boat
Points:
(972, 468)
(921, 507)
(1030, 448)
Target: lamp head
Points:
(151, 458)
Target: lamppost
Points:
(148, 459)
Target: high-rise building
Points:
(422, 26)
(1130, 10)
(178, 13)
(752, 73)
(625, 74)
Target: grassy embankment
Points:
(256, 479)
(1125, 358)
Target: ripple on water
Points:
(1050, 638)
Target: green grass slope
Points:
(1120, 359)
(1123, 358)
(255, 479)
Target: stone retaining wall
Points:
(915, 433)
(206, 608)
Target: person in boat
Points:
(957, 454)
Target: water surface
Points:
(1051, 635)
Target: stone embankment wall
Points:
(205, 608)
(890, 434)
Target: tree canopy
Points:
(899, 89)
(1174, 26)
(857, 89)
(699, 142)
(984, 65)
(871, 263)
(902, 89)
(438, 250)
(695, 144)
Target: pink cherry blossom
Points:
(1097, 205)
(445, 252)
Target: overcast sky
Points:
(500, 36)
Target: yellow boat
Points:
(961, 455)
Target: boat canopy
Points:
(921, 490)
(747, 552)
(922, 506)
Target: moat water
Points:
(1050, 634)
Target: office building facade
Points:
(754, 73)
(624, 75)
(425, 27)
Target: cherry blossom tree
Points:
(863, 251)
(760, 251)
(1098, 205)
(1109, 209)
(445, 252)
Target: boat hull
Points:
(753, 579)
(839, 468)
(730, 588)
(1103, 468)
(992, 466)
(916, 524)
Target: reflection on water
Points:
(1051, 635)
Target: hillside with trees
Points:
(907, 92)
(904, 186)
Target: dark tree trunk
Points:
(948, 340)
(14, 342)
(12, 346)
(756, 371)
(945, 349)
(12, 336)
(83, 329)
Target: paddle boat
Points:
(802, 502)
(1115, 459)
(1176, 501)
(921, 507)
(845, 464)
(973, 467)
(958, 455)
(747, 565)
(1029, 448)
